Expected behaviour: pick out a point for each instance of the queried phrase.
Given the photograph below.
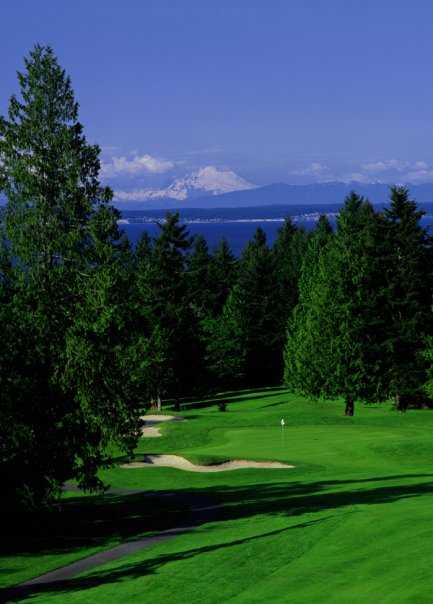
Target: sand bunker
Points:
(175, 461)
(149, 430)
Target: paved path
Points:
(200, 508)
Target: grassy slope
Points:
(352, 522)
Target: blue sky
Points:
(271, 90)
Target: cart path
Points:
(202, 509)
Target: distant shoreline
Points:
(310, 217)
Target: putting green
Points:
(352, 522)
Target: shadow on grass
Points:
(82, 522)
(231, 396)
(123, 516)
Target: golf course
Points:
(351, 521)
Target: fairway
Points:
(351, 522)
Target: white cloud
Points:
(420, 175)
(139, 164)
(314, 169)
(386, 165)
(408, 171)
(206, 180)
(382, 171)
(358, 177)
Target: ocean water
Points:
(237, 233)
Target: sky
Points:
(241, 92)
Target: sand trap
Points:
(149, 430)
(175, 461)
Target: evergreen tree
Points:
(337, 346)
(143, 249)
(169, 333)
(223, 274)
(304, 334)
(199, 278)
(221, 327)
(409, 295)
(225, 344)
(62, 234)
(149, 355)
(252, 307)
(288, 252)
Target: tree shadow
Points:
(231, 397)
(97, 520)
(139, 569)
(225, 503)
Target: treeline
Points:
(93, 331)
(211, 321)
(363, 325)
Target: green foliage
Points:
(62, 312)
(288, 253)
(253, 306)
(225, 344)
(200, 284)
(409, 283)
(168, 313)
(306, 327)
(337, 342)
(223, 274)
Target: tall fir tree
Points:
(409, 295)
(172, 350)
(225, 348)
(337, 346)
(223, 274)
(62, 235)
(251, 306)
(199, 278)
(288, 252)
(304, 335)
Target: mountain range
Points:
(202, 190)
(206, 181)
(186, 193)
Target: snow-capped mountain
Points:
(204, 181)
(277, 194)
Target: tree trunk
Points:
(350, 406)
(400, 403)
(158, 402)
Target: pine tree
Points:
(409, 295)
(199, 278)
(288, 252)
(223, 274)
(304, 334)
(171, 346)
(337, 346)
(225, 344)
(62, 234)
(252, 305)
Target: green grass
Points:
(353, 522)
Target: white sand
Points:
(160, 418)
(149, 430)
(175, 461)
